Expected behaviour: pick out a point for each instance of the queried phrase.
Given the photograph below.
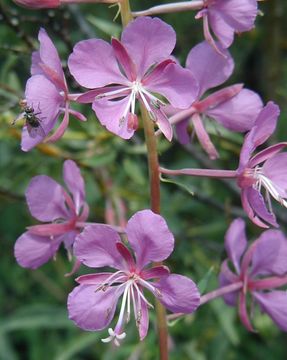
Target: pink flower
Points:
(233, 107)
(50, 202)
(266, 170)
(139, 67)
(47, 93)
(225, 17)
(260, 268)
(92, 304)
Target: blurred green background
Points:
(33, 316)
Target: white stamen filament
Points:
(111, 93)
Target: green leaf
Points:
(108, 27)
(179, 184)
(202, 285)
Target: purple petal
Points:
(124, 59)
(148, 41)
(275, 169)
(96, 247)
(144, 320)
(73, 178)
(91, 309)
(149, 237)
(270, 254)
(223, 31)
(226, 277)
(155, 272)
(182, 132)
(209, 68)
(274, 304)
(258, 205)
(236, 242)
(178, 293)
(239, 112)
(267, 153)
(243, 312)
(113, 115)
(45, 199)
(32, 251)
(176, 84)
(163, 123)
(93, 64)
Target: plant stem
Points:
(154, 179)
(126, 14)
(214, 173)
(171, 8)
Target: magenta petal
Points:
(267, 153)
(243, 312)
(35, 68)
(32, 251)
(45, 199)
(163, 123)
(148, 41)
(149, 237)
(93, 64)
(91, 309)
(209, 68)
(155, 272)
(96, 247)
(258, 205)
(182, 132)
(223, 31)
(238, 113)
(144, 320)
(270, 254)
(226, 277)
(75, 183)
(124, 59)
(178, 85)
(113, 115)
(248, 209)
(177, 293)
(275, 169)
(274, 304)
(236, 242)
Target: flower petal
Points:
(163, 123)
(93, 64)
(236, 242)
(178, 293)
(239, 112)
(274, 304)
(275, 169)
(226, 277)
(267, 153)
(91, 309)
(223, 31)
(249, 210)
(32, 251)
(113, 115)
(45, 199)
(270, 254)
(209, 68)
(148, 41)
(178, 85)
(75, 182)
(143, 321)
(182, 131)
(149, 237)
(96, 247)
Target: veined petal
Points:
(93, 64)
(124, 59)
(75, 183)
(275, 169)
(270, 254)
(45, 199)
(91, 309)
(274, 303)
(96, 247)
(155, 272)
(236, 242)
(149, 237)
(32, 251)
(178, 85)
(148, 41)
(267, 153)
(177, 293)
(114, 116)
(209, 68)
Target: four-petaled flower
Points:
(139, 67)
(92, 304)
(259, 269)
(266, 170)
(50, 202)
(226, 17)
(233, 107)
(47, 94)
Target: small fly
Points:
(32, 121)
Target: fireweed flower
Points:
(226, 17)
(139, 67)
(233, 107)
(260, 269)
(266, 170)
(61, 210)
(92, 304)
(47, 93)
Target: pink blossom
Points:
(226, 17)
(139, 67)
(92, 304)
(62, 212)
(47, 93)
(233, 107)
(261, 268)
